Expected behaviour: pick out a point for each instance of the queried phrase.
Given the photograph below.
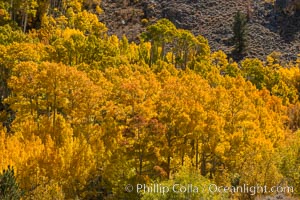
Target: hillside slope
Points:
(268, 30)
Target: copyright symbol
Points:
(129, 188)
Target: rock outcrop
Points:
(268, 29)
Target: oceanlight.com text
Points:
(252, 190)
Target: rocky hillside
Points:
(268, 30)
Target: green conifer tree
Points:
(9, 188)
(239, 35)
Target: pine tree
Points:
(9, 188)
(239, 35)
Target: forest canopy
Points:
(85, 113)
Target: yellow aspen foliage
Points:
(219, 59)
(89, 23)
(23, 154)
(76, 166)
(84, 113)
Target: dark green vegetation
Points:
(239, 35)
(9, 188)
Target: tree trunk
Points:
(185, 58)
(11, 9)
(197, 155)
(54, 114)
(203, 164)
(169, 155)
(151, 54)
(140, 155)
(163, 51)
(25, 22)
(169, 166)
